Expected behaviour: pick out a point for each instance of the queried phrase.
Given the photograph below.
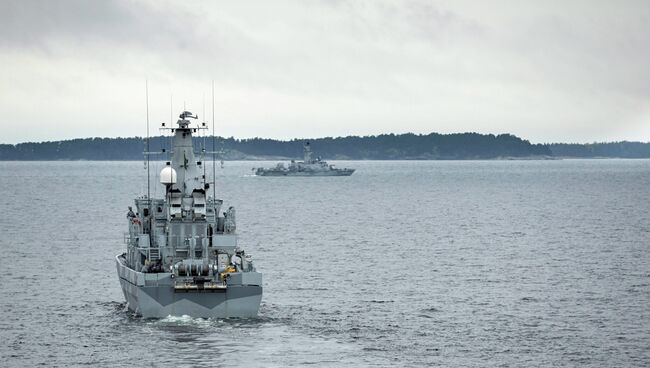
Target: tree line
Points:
(434, 146)
(612, 149)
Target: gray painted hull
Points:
(305, 173)
(155, 297)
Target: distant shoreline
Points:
(433, 146)
(339, 160)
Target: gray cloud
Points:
(40, 24)
(548, 71)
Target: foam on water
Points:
(188, 320)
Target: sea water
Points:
(410, 263)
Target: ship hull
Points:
(154, 296)
(305, 173)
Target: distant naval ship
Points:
(308, 167)
(182, 256)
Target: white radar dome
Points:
(168, 176)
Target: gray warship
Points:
(308, 167)
(182, 256)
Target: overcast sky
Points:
(547, 71)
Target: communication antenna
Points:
(204, 145)
(171, 123)
(214, 163)
(146, 88)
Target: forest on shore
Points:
(433, 146)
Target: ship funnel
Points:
(168, 176)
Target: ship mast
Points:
(214, 163)
(307, 152)
(146, 87)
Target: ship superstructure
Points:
(182, 256)
(307, 167)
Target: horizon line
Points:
(331, 137)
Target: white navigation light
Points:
(168, 176)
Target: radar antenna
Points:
(186, 114)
